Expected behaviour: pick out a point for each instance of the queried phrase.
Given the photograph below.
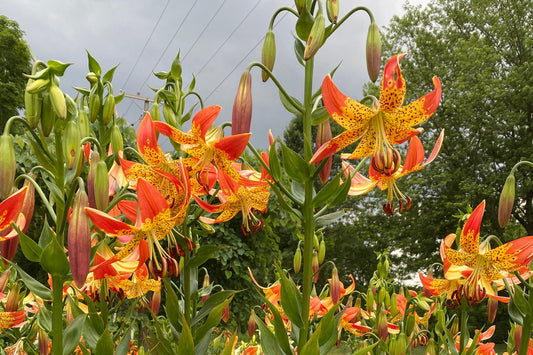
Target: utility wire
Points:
(242, 60)
(244, 18)
(146, 44)
(204, 29)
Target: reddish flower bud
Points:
(324, 135)
(492, 309)
(517, 337)
(225, 314)
(4, 278)
(506, 200)
(383, 330)
(251, 324)
(205, 284)
(316, 36)
(79, 239)
(12, 302)
(43, 342)
(8, 165)
(155, 302)
(91, 175)
(373, 52)
(101, 186)
(242, 106)
(315, 265)
(335, 286)
(332, 10)
(268, 54)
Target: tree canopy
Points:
(15, 60)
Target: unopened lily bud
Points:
(321, 251)
(241, 117)
(410, 324)
(207, 228)
(12, 301)
(335, 286)
(155, 113)
(57, 99)
(268, 54)
(94, 107)
(79, 239)
(393, 304)
(91, 175)
(91, 77)
(225, 313)
(381, 295)
(4, 278)
(383, 330)
(299, 5)
(101, 186)
(297, 261)
(43, 342)
(517, 337)
(84, 123)
(316, 36)
(155, 302)
(69, 315)
(205, 284)
(431, 348)
(332, 9)
(8, 165)
(109, 108)
(48, 115)
(492, 309)
(316, 242)
(169, 115)
(117, 142)
(373, 52)
(455, 327)
(251, 324)
(315, 265)
(324, 135)
(506, 200)
(32, 105)
(369, 300)
(71, 144)
(37, 86)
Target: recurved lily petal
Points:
(392, 91)
(10, 208)
(12, 319)
(147, 143)
(421, 109)
(470, 233)
(108, 224)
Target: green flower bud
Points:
(506, 200)
(373, 52)
(268, 54)
(83, 119)
(94, 107)
(32, 105)
(12, 301)
(241, 117)
(117, 142)
(410, 324)
(91, 77)
(169, 115)
(335, 286)
(369, 300)
(37, 86)
(316, 36)
(297, 261)
(332, 9)
(109, 109)
(79, 239)
(8, 165)
(91, 176)
(48, 116)
(59, 104)
(155, 113)
(431, 348)
(71, 144)
(101, 186)
(321, 251)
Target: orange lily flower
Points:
(11, 319)
(386, 123)
(207, 145)
(152, 223)
(139, 285)
(236, 197)
(385, 169)
(10, 208)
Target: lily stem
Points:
(526, 329)
(57, 315)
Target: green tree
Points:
(15, 58)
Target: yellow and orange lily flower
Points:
(207, 145)
(12, 319)
(153, 222)
(10, 208)
(234, 198)
(482, 349)
(385, 170)
(138, 286)
(385, 124)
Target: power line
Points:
(242, 60)
(146, 44)
(205, 28)
(166, 48)
(244, 18)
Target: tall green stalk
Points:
(57, 315)
(308, 218)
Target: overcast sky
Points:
(217, 39)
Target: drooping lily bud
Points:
(506, 200)
(332, 9)
(8, 165)
(251, 324)
(492, 309)
(91, 175)
(155, 302)
(373, 52)
(43, 342)
(225, 313)
(4, 278)
(37, 86)
(57, 99)
(455, 327)
(241, 117)
(101, 186)
(297, 261)
(71, 144)
(324, 135)
(315, 265)
(316, 36)
(109, 108)
(205, 284)
(117, 142)
(335, 286)
(321, 251)
(48, 115)
(383, 330)
(517, 338)
(12, 302)
(169, 115)
(155, 113)
(94, 106)
(268, 54)
(32, 105)
(91, 77)
(79, 239)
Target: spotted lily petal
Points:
(10, 208)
